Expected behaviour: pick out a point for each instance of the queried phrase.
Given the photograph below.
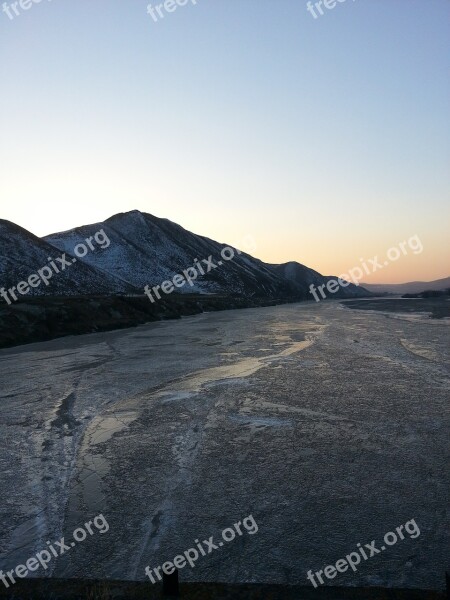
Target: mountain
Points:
(23, 254)
(412, 287)
(132, 250)
(302, 277)
(145, 250)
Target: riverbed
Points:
(329, 426)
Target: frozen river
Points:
(328, 425)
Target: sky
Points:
(325, 139)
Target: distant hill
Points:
(412, 287)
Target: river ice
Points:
(329, 426)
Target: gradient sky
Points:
(327, 140)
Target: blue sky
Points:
(325, 139)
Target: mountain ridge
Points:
(145, 250)
(409, 287)
(174, 249)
